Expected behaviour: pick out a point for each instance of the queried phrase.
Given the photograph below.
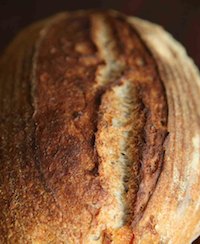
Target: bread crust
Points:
(86, 107)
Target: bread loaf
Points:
(100, 133)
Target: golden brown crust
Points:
(84, 115)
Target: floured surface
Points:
(173, 213)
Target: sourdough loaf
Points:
(100, 133)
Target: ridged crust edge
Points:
(173, 212)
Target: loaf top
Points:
(84, 131)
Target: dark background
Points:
(180, 17)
